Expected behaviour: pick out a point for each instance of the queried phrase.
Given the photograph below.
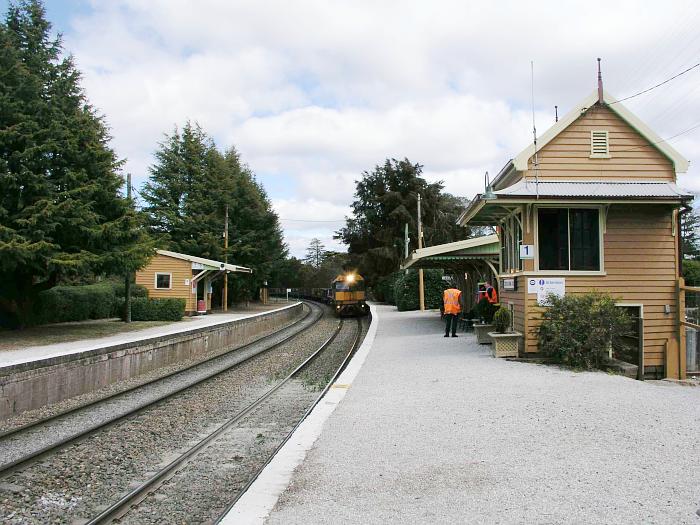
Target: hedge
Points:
(406, 290)
(384, 291)
(78, 303)
(144, 309)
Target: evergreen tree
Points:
(690, 234)
(190, 186)
(385, 200)
(315, 253)
(61, 211)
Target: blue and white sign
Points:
(527, 251)
(543, 286)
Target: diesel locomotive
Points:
(347, 294)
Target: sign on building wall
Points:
(543, 286)
(509, 284)
(527, 251)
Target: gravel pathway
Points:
(435, 430)
(75, 483)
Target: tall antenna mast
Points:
(534, 129)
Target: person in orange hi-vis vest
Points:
(452, 306)
(491, 294)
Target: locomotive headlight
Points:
(350, 278)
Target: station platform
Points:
(37, 353)
(426, 429)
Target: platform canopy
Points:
(456, 256)
(200, 263)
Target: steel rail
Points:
(54, 417)
(8, 468)
(138, 494)
(353, 348)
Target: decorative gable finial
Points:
(600, 84)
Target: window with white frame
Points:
(568, 239)
(163, 280)
(511, 239)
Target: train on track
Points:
(346, 294)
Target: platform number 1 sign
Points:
(527, 251)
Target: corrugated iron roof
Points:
(599, 189)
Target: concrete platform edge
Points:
(259, 500)
(21, 365)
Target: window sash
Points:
(159, 280)
(573, 239)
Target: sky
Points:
(313, 93)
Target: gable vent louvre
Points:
(600, 147)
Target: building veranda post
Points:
(594, 207)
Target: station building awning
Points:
(453, 255)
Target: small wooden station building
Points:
(172, 274)
(593, 206)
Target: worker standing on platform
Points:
(491, 294)
(451, 300)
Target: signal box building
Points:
(594, 206)
(178, 275)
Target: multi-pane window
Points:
(162, 280)
(511, 239)
(568, 239)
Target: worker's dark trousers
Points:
(450, 319)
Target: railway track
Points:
(226, 361)
(61, 474)
(225, 433)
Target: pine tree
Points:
(690, 234)
(190, 186)
(315, 253)
(61, 211)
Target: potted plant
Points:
(505, 340)
(485, 311)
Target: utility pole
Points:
(127, 279)
(406, 240)
(226, 261)
(421, 291)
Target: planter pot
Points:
(482, 333)
(505, 345)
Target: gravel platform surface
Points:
(78, 481)
(435, 430)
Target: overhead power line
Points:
(310, 220)
(657, 85)
(696, 126)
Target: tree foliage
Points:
(385, 200)
(190, 185)
(690, 234)
(315, 253)
(406, 290)
(61, 212)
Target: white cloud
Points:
(313, 93)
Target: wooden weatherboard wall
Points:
(640, 266)
(181, 271)
(632, 157)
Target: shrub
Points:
(485, 310)
(406, 290)
(75, 303)
(144, 309)
(384, 291)
(578, 330)
(501, 319)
